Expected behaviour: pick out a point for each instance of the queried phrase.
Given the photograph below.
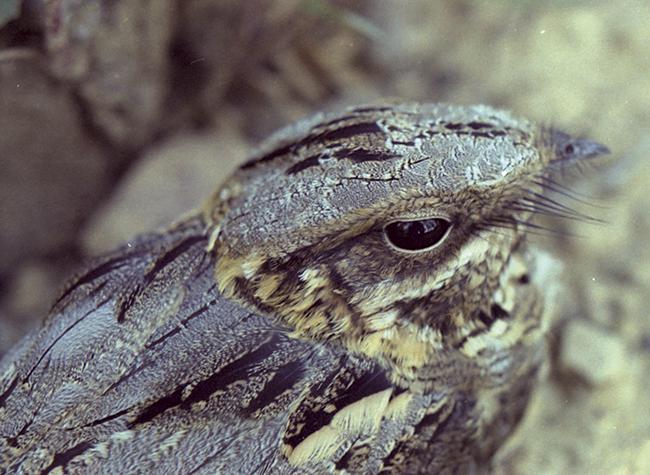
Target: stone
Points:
(53, 173)
(116, 53)
(169, 181)
(593, 353)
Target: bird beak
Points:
(569, 149)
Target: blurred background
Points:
(117, 116)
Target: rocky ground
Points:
(118, 116)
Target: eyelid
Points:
(419, 218)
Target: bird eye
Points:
(417, 235)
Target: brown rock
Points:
(8, 11)
(52, 173)
(167, 182)
(596, 355)
(117, 52)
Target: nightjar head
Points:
(385, 220)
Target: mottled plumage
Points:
(284, 329)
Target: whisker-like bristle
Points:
(542, 207)
(527, 226)
(554, 203)
(543, 211)
(547, 186)
(547, 183)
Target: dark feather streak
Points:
(61, 459)
(169, 256)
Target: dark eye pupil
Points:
(416, 235)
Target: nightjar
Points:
(358, 298)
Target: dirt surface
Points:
(117, 116)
